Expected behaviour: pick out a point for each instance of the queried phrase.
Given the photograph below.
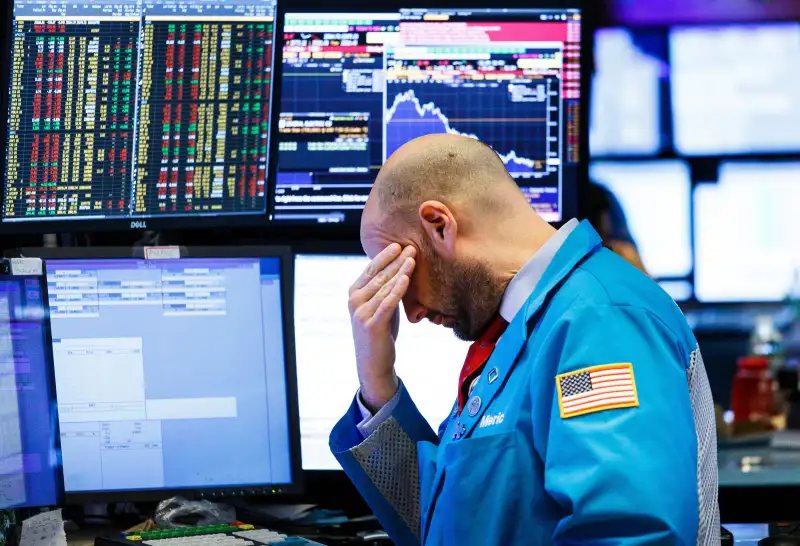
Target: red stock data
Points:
(362, 85)
(138, 109)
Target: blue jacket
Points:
(513, 469)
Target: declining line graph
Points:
(515, 130)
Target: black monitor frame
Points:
(287, 315)
(138, 223)
(50, 378)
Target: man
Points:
(587, 419)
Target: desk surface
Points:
(744, 534)
(86, 536)
(758, 466)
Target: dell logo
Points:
(138, 224)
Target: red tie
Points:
(479, 352)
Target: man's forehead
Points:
(373, 242)
(377, 235)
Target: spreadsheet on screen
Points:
(156, 361)
(138, 109)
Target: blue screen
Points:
(29, 471)
(357, 86)
(170, 374)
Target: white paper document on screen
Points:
(99, 379)
(429, 357)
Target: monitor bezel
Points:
(54, 444)
(589, 22)
(138, 223)
(286, 257)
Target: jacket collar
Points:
(529, 275)
(581, 243)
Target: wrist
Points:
(376, 392)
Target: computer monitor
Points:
(30, 473)
(631, 72)
(746, 226)
(357, 86)
(429, 357)
(734, 88)
(656, 199)
(138, 113)
(174, 375)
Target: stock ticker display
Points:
(356, 87)
(138, 109)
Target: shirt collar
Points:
(526, 279)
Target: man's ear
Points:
(440, 226)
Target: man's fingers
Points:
(362, 295)
(359, 296)
(378, 263)
(386, 275)
(368, 309)
(388, 307)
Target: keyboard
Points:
(235, 534)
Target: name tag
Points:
(491, 420)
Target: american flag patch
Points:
(596, 389)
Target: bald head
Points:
(451, 198)
(452, 169)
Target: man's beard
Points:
(466, 291)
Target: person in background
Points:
(601, 208)
(582, 413)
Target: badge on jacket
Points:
(597, 388)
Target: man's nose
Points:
(414, 311)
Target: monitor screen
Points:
(357, 86)
(631, 71)
(734, 88)
(30, 474)
(138, 110)
(746, 226)
(429, 357)
(170, 374)
(656, 199)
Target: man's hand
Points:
(374, 301)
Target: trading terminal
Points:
(181, 200)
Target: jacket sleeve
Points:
(625, 476)
(384, 466)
